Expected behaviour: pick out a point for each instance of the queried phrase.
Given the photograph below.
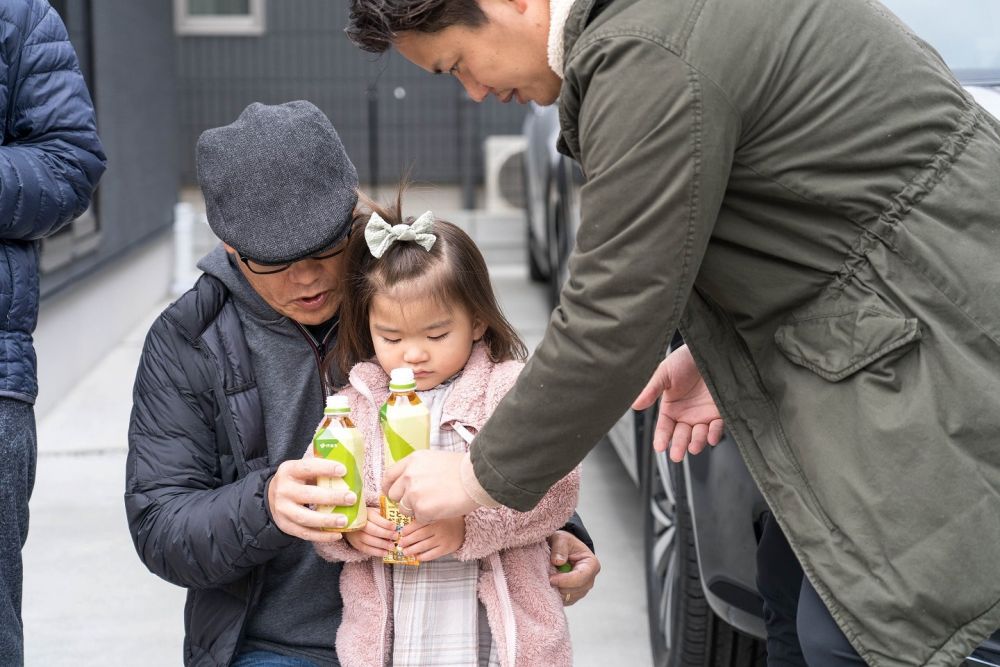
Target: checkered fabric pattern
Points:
(437, 617)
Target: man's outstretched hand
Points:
(427, 485)
(688, 417)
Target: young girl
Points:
(419, 296)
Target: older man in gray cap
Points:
(228, 393)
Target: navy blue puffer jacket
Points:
(50, 162)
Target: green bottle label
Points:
(326, 446)
(398, 447)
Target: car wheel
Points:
(535, 271)
(683, 628)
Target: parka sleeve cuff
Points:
(472, 485)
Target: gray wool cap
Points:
(277, 182)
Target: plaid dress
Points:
(438, 620)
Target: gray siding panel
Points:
(304, 54)
(137, 116)
(133, 84)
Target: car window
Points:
(965, 32)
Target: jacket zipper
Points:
(251, 594)
(499, 578)
(256, 574)
(317, 355)
(378, 569)
(506, 609)
(383, 587)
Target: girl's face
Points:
(421, 333)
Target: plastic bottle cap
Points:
(337, 404)
(402, 378)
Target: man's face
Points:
(506, 56)
(308, 291)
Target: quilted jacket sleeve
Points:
(51, 157)
(574, 526)
(188, 526)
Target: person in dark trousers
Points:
(228, 394)
(50, 161)
(804, 189)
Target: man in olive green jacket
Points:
(804, 189)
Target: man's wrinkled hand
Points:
(428, 486)
(575, 584)
(292, 488)
(688, 418)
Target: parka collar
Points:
(579, 16)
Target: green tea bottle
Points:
(406, 427)
(338, 440)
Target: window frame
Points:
(252, 24)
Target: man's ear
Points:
(235, 255)
(521, 6)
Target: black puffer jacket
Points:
(195, 489)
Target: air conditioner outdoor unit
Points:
(504, 172)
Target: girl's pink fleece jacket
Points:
(524, 610)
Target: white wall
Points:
(79, 326)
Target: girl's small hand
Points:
(428, 541)
(376, 538)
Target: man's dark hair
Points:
(375, 24)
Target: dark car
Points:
(551, 189)
(700, 516)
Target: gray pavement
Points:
(89, 601)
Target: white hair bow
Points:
(379, 235)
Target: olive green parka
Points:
(805, 190)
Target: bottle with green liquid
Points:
(406, 428)
(338, 440)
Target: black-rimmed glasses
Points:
(263, 268)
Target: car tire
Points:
(556, 242)
(535, 270)
(683, 629)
